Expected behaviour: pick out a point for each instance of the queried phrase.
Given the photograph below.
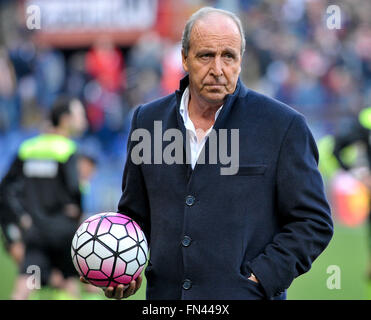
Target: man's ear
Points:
(184, 61)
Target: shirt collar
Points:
(183, 109)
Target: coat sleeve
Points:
(303, 212)
(134, 200)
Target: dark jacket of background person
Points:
(271, 218)
(41, 182)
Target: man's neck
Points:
(201, 112)
(202, 116)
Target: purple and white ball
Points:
(109, 249)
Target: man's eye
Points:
(229, 56)
(205, 56)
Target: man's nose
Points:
(217, 68)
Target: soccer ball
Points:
(109, 249)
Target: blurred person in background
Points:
(87, 165)
(105, 104)
(42, 190)
(105, 63)
(358, 130)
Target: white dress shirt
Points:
(195, 145)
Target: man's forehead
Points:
(215, 27)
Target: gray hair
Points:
(202, 13)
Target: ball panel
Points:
(144, 247)
(102, 251)
(109, 241)
(129, 255)
(84, 238)
(74, 260)
(142, 257)
(107, 266)
(82, 265)
(139, 271)
(132, 268)
(96, 275)
(119, 268)
(74, 241)
(99, 283)
(118, 219)
(94, 262)
(118, 231)
(92, 227)
(124, 279)
(86, 249)
(126, 243)
(141, 236)
(104, 226)
(82, 228)
(132, 231)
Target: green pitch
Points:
(347, 251)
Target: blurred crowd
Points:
(291, 55)
(294, 56)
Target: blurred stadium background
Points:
(115, 54)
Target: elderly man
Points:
(244, 234)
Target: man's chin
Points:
(215, 98)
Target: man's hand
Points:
(253, 278)
(25, 221)
(16, 250)
(121, 291)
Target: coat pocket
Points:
(251, 170)
(255, 290)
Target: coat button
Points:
(187, 284)
(186, 242)
(190, 200)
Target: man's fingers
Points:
(83, 280)
(119, 292)
(122, 291)
(138, 283)
(130, 290)
(109, 292)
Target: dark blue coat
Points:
(208, 231)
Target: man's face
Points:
(214, 58)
